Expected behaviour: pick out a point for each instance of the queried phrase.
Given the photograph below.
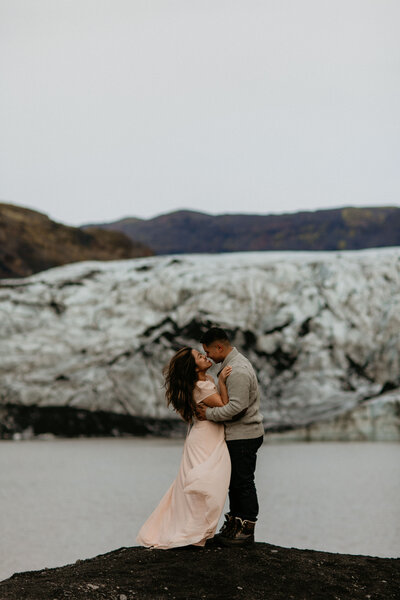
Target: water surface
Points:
(64, 500)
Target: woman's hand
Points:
(223, 376)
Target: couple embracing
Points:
(219, 453)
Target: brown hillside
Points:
(31, 242)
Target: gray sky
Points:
(111, 108)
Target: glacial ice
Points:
(321, 329)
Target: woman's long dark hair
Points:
(180, 379)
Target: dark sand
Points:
(259, 572)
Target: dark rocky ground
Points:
(260, 572)
(18, 421)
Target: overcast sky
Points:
(111, 108)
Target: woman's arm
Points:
(239, 389)
(222, 398)
(222, 384)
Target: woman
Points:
(189, 511)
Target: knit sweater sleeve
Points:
(238, 385)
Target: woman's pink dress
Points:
(190, 510)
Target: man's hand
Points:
(201, 411)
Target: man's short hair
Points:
(215, 334)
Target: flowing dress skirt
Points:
(190, 510)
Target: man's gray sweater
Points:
(243, 394)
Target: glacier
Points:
(320, 328)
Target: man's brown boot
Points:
(241, 534)
(228, 524)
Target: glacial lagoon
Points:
(64, 500)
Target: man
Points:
(244, 433)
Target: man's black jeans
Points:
(243, 500)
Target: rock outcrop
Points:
(321, 329)
(256, 573)
(31, 242)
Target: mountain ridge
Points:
(186, 232)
